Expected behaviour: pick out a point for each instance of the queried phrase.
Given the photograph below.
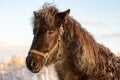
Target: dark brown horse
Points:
(60, 40)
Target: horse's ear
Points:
(35, 13)
(63, 15)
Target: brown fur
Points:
(82, 57)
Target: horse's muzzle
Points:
(33, 64)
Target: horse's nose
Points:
(31, 63)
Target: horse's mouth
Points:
(34, 70)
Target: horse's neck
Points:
(84, 55)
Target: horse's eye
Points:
(50, 32)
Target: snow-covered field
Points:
(15, 69)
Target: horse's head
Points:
(48, 30)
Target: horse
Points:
(60, 40)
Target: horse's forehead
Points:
(46, 26)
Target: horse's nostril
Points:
(33, 63)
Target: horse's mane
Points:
(91, 55)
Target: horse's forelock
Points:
(46, 15)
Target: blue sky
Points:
(99, 17)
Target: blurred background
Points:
(99, 17)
